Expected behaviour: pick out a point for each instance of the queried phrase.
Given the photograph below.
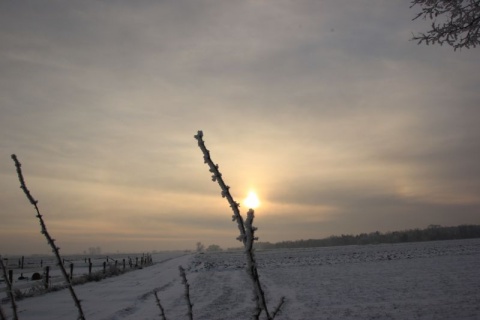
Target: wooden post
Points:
(123, 264)
(71, 271)
(47, 276)
(104, 267)
(10, 276)
(89, 267)
(23, 260)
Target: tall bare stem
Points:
(247, 230)
(2, 315)
(50, 240)
(10, 291)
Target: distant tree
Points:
(200, 247)
(431, 233)
(213, 248)
(454, 22)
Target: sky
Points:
(326, 109)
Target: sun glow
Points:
(251, 201)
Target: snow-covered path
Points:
(435, 280)
(129, 296)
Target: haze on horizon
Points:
(325, 109)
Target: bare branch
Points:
(2, 314)
(50, 240)
(278, 308)
(454, 22)
(9, 289)
(247, 230)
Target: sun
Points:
(251, 201)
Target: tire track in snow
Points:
(140, 300)
(218, 293)
(144, 300)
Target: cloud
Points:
(326, 108)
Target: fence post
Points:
(47, 276)
(10, 276)
(89, 267)
(104, 267)
(23, 260)
(123, 264)
(71, 271)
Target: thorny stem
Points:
(50, 240)
(247, 230)
(10, 291)
(187, 292)
(162, 311)
(217, 176)
(252, 264)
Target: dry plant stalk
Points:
(2, 315)
(10, 292)
(162, 311)
(247, 232)
(277, 309)
(50, 240)
(187, 292)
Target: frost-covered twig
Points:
(217, 176)
(162, 311)
(252, 263)
(50, 240)
(187, 292)
(10, 291)
(247, 230)
(456, 23)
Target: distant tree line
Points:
(431, 233)
(210, 248)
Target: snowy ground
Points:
(433, 280)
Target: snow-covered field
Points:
(431, 280)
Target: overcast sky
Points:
(326, 109)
